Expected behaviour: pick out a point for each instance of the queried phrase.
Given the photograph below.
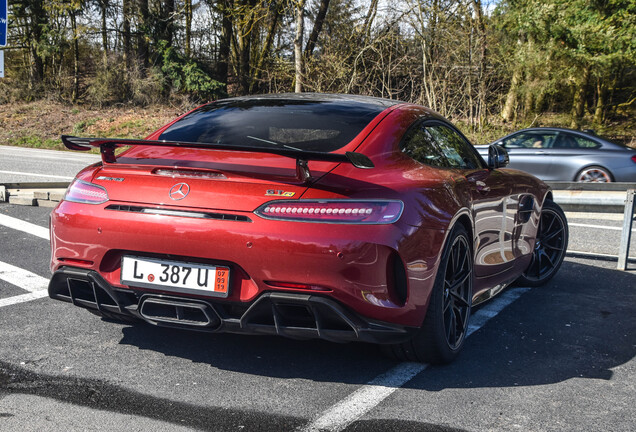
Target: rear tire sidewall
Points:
(430, 341)
(523, 280)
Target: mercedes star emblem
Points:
(179, 191)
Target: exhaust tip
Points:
(171, 311)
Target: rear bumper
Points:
(293, 315)
(382, 272)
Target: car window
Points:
(440, 146)
(309, 125)
(530, 140)
(585, 143)
(456, 149)
(420, 145)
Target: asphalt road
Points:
(19, 164)
(560, 357)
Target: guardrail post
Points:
(627, 230)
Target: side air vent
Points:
(179, 213)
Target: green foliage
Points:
(109, 86)
(187, 75)
(35, 141)
(568, 50)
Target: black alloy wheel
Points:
(457, 291)
(550, 246)
(445, 326)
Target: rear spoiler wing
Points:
(107, 148)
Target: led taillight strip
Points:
(87, 193)
(333, 211)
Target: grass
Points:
(40, 124)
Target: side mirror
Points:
(497, 157)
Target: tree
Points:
(298, 45)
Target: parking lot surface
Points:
(555, 358)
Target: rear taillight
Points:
(83, 192)
(336, 211)
(634, 158)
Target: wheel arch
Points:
(464, 218)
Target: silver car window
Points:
(531, 140)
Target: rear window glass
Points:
(308, 125)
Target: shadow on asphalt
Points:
(582, 324)
(100, 395)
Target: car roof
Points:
(591, 136)
(313, 97)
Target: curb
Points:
(42, 194)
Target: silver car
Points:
(558, 154)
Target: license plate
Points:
(176, 276)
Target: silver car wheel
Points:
(594, 175)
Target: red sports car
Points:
(338, 217)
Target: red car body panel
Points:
(354, 265)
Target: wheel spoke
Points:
(460, 322)
(452, 334)
(459, 282)
(552, 247)
(540, 267)
(449, 324)
(549, 259)
(547, 230)
(459, 300)
(447, 303)
(553, 234)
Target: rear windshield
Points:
(308, 125)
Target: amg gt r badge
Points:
(280, 193)
(179, 191)
(117, 179)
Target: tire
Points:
(549, 249)
(443, 332)
(594, 174)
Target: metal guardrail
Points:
(610, 197)
(626, 236)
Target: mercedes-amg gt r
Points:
(338, 217)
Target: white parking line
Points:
(23, 298)
(36, 285)
(598, 226)
(36, 175)
(358, 403)
(22, 278)
(27, 227)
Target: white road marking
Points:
(36, 175)
(595, 216)
(12, 151)
(348, 410)
(598, 226)
(22, 278)
(23, 298)
(27, 227)
(358, 403)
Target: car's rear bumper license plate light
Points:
(177, 276)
